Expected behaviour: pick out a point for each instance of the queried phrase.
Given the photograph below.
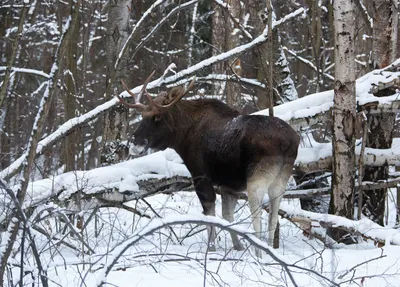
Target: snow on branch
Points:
(318, 103)
(364, 227)
(26, 71)
(319, 158)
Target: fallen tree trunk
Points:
(320, 159)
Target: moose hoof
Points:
(211, 248)
(238, 247)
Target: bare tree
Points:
(116, 121)
(381, 126)
(343, 142)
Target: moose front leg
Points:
(206, 194)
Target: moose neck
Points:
(181, 119)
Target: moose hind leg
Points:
(257, 187)
(275, 194)
(229, 201)
(206, 194)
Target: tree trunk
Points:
(343, 115)
(70, 95)
(218, 43)
(116, 120)
(285, 90)
(233, 90)
(380, 125)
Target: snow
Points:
(158, 258)
(146, 252)
(311, 105)
(123, 176)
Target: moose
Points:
(221, 147)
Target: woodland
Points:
(80, 206)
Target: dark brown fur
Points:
(221, 147)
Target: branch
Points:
(365, 228)
(119, 250)
(74, 123)
(317, 159)
(227, 7)
(135, 28)
(156, 27)
(309, 64)
(26, 71)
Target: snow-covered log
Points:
(313, 108)
(319, 158)
(365, 228)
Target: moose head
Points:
(156, 129)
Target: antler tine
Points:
(136, 105)
(191, 86)
(145, 85)
(178, 98)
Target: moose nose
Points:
(138, 146)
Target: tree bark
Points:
(70, 94)
(344, 115)
(285, 90)
(116, 120)
(380, 125)
(233, 90)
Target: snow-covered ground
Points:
(179, 258)
(177, 255)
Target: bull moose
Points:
(221, 147)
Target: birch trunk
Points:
(117, 33)
(343, 114)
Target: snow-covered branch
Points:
(27, 71)
(364, 227)
(319, 158)
(247, 234)
(76, 122)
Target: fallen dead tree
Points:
(319, 158)
(138, 179)
(364, 228)
(316, 108)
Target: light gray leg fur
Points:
(256, 188)
(229, 201)
(275, 193)
(211, 232)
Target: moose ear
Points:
(175, 92)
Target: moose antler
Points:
(137, 104)
(156, 109)
(165, 108)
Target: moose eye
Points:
(157, 118)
